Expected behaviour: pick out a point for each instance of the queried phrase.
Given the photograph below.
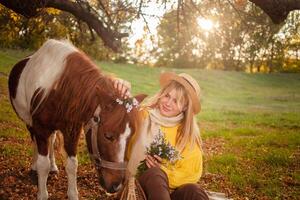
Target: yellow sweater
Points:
(186, 170)
(189, 168)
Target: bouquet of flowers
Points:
(161, 148)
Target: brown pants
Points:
(155, 184)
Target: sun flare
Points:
(205, 24)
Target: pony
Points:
(60, 88)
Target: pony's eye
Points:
(109, 137)
(96, 119)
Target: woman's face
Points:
(168, 105)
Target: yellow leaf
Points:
(14, 16)
(53, 11)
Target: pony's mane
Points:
(79, 88)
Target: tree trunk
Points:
(277, 10)
(271, 66)
(252, 64)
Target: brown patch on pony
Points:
(14, 77)
(41, 139)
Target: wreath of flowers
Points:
(129, 103)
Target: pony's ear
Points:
(140, 97)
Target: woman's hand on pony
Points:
(123, 87)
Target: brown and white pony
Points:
(59, 88)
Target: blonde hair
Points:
(189, 132)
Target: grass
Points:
(257, 116)
(9, 58)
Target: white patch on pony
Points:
(42, 70)
(43, 167)
(71, 169)
(122, 143)
(53, 166)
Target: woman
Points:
(172, 111)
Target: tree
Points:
(175, 47)
(17, 31)
(108, 19)
(221, 46)
(243, 38)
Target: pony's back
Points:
(40, 72)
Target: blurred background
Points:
(207, 34)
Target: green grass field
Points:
(250, 125)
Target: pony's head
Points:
(108, 132)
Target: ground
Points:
(17, 181)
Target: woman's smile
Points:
(165, 108)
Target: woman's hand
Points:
(153, 161)
(123, 87)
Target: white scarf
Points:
(149, 129)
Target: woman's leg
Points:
(155, 184)
(189, 192)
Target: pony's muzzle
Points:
(117, 187)
(112, 188)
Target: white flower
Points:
(119, 101)
(135, 102)
(159, 149)
(129, 103)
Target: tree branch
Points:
(110, 38)
(277, 10)
(31, 8)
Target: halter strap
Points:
(95, 155)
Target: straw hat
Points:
(188, 82)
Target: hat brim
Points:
(167, 77)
